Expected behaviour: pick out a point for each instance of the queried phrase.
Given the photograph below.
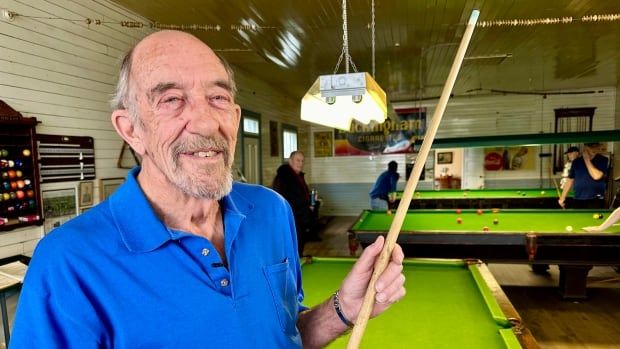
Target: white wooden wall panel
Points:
(63, 72)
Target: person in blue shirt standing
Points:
(179, 256)
(384, 185)
(588, 179)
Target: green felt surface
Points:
(483, 194)
(509, 220)
(445, 307)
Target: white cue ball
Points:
(569, 228)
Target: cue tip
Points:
(474, 17)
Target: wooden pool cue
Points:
(399, 217)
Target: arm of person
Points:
(321, 324)
(613, 218)
(567, 187)
(593, 171)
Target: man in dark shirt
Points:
(587, 177)
(291, 184)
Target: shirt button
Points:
(224, 282)
(205, 251)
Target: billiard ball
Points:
(19, 194)
(11, 173)
(11, 163)
(4, 152)
(6, 196)
(495, 210)
(465, 194)
(542, 192)
(13, 185)
(389, 212)
(6, 185)
(595, 216)
(18, 163)
(485, 228)
(495, 221)
(458, 211)
(18, 173)
(600, 216)
(30, 193)
(20, 184)
(459, 220)
(26, 152)
(479, 211)
(27, 182)
(5, 175)
(569, 228)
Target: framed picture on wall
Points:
(323, 144)
(444, 158)
(274, 149)
(59, 206)
(107, 186)
(86, 193)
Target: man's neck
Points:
(181, 211)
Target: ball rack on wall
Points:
(20, 196)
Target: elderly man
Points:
(179, 256)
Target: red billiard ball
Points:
(479, 211)
(459, 220)
(19, 194)
(458, 211)
(495, 221)
(485, 228)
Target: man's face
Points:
(188, 117)
(572, 155)
(297, 162)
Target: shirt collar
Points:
(143, 231)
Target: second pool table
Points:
(484, 198)
(449, 304)
(520, 236)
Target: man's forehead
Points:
(169, 58)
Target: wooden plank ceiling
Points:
(298, 40)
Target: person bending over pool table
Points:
(179, 256)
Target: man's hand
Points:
(562, 203)
(390, 284)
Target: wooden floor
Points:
(556, 324)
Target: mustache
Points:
(200, 143)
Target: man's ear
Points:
(121, 119)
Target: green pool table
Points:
(447, 302)
(520, 236)
(484, 198)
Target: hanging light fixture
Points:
(337, 99)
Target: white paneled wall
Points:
(63, 72)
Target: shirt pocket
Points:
(284, 293)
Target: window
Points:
(289, 140)
(250, 125)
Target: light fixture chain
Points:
(372, 29)
(345, 36)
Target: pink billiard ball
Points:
(479, 211)
(458, 211)
(19, 194)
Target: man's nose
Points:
(202, 117)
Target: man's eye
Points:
(171, 99)
(220, 99)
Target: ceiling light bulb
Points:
(330, 100)
(356, 98)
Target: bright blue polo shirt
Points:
(116, 277)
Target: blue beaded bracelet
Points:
(339, 311)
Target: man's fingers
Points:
(369, 255)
